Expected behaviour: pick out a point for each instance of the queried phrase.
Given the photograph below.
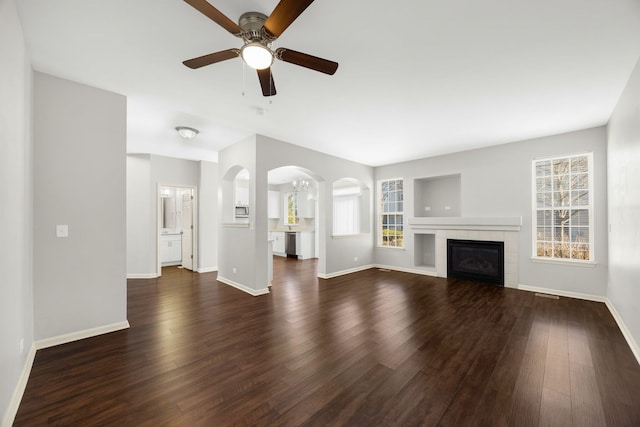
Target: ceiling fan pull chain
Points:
(242, 78)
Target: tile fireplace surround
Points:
(484, 229)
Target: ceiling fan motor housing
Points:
(252, 27)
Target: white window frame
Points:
(353, 221)
(535, 209)
(381, 213)
(296, 220)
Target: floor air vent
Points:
(384, 269)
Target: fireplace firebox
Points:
(477, 260)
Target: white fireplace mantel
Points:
(513, 223)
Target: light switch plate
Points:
(62, 231)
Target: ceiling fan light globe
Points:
(256, 56)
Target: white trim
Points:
(207, 269)
(18, 392)
(142, 275)
(79, 335)
(423, 272)
(243, 288)
(563, 261)
(466, 223)
(569, 294)
(236, 224)
(633, 345)
(635, 349)
(590, 207)
(344, 272)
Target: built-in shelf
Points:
(437, 196)
(466, 223)
(425, 250)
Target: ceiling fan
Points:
(258, 32)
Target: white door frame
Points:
(194, 215)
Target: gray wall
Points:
(208, 217)
(79, 180)
(16, 191)
(624, 206)
(496, 181)
(335, 255)
(141, 217)
(144, 173)
(246, 248)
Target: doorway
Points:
(176, 227)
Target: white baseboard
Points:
(422, 272)
(207, 269)
(343, 272)
(588, 297)
(45, 343)
(142, 276)
(633, 345)
(14, 404)
(79, 335)
(243, 288)
(635, 349)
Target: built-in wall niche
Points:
(424, 250)
(437, 196)
(241, 188)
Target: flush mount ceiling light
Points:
(256, 55)
(187, 132)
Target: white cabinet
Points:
(306, 206)
(306, 245)
(273, 204)
(278, 242)
(170, 249)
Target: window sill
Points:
(395, 248)
(349, 236)
(589, 264)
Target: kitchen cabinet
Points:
(278, 242)
(306, 206)
(171, 249)
(306, 247)
(273, 204)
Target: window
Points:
(391, 231)
(563, 208)
(291, 208)
(346, 214)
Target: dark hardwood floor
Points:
(367, 349)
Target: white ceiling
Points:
(416, 78)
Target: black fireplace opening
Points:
(476, 260)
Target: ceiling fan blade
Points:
(266, 82)
(212, 58)
(216, 16)
(284, 14)
(307, 61)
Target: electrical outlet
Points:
(355, 258)
(21, 345)
(235, 270)
(427, 208)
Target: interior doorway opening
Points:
(177, 227)
(293, 211)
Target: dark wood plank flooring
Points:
(370, 348)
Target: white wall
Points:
(496, 182)
(208, 217)
(141, 218)
(79, 180)
(16, 191)
(624, 206)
